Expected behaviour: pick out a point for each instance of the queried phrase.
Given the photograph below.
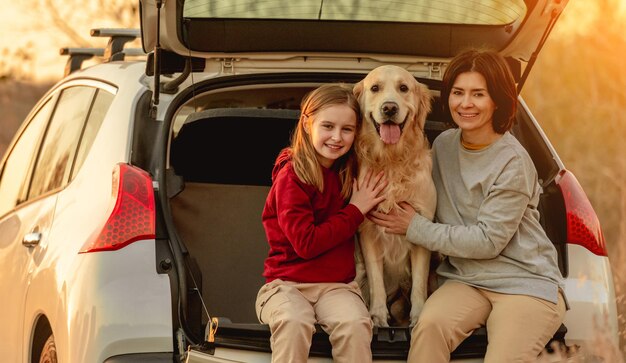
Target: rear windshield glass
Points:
(484, 12)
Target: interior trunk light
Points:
(583, 226)
(133, 215)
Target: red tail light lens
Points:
(583, 226)
(133, 214)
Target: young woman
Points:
(500, 269)
(310, 228)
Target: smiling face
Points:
(388, 97)
(472, 108)
(332, 130)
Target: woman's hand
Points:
(397, 220)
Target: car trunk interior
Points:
(224, 155)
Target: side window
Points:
(19, 161)
(53, 165)
(96, 116)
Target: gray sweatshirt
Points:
(488, 223)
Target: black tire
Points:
(49, 351)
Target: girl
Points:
(310, 228)
(500, 268)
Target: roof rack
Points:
(78, 56)
(114, 50)
(118, 37)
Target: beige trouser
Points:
(518, 326)
(291, 309)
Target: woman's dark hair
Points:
(500, 83)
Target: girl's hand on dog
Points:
(366, 192)
(397, 220)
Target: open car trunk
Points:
(226, 137)
(222, 159)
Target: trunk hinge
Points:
(157, 62)
(435, 70)
(228, 65)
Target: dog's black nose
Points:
(390, 109)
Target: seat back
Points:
(225, 158)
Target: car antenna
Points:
(157, 62)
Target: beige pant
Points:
(291, 310)
(519, 326)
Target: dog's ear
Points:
(358, 89)
(424, 101)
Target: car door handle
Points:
(31, 239)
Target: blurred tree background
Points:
(33, 31)
(577, 91)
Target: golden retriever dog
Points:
(392, 139)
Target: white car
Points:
(131, 197)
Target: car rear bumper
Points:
(142, 357)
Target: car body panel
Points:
(22, 263)
(227, 355)
(104, 310)
(591, 293)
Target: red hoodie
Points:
(311, 234)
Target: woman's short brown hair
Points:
(500, 83)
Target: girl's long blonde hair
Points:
(304, 157)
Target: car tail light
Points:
(133, 214)
(583, 226)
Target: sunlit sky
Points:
(26, 27)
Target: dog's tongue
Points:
(390, 133)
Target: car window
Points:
(96, 115)
(493, 12)
(54, 162)
(20, 158)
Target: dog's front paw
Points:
(380, 316)
(416, 310)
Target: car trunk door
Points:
(418, 31)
